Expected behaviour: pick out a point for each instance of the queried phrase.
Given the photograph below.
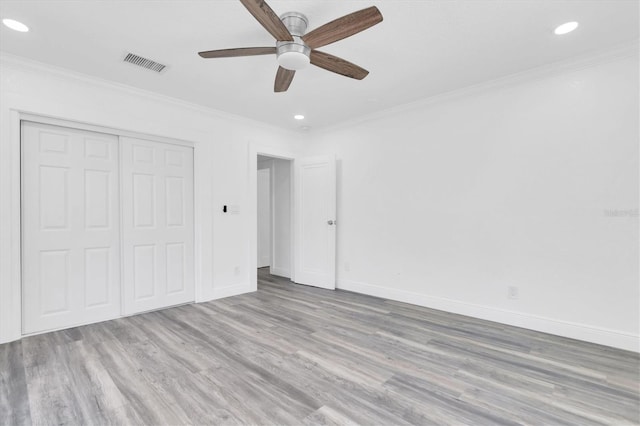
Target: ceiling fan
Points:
(295, 48)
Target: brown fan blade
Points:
(343, 27)
(284, 77)
(268, 19)
(244, 51)
(337, 65)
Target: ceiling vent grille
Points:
(144, 62)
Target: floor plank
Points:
(291, 354)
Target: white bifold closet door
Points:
(157, 224)
(70, 227)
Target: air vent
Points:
(144, 62)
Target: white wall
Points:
(447, 203)
(222, 176)
(281, 188)
(264, 215)
(444, 203)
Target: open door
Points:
(315, 194)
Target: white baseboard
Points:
(587, 333)
(232, 290)
(281, 272)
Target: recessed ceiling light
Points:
(299, 117)
(566, 28)
(15, 25)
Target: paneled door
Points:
(315, 190)
(157, 221)
(70, 227)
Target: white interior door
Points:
(157, 221)
(315, 189)
(70, 227)
(264, 218)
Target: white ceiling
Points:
(423, 48)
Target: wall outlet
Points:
(512, 292)
(347, 266)
(236, 270)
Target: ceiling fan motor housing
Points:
(294, 55)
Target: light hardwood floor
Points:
(291, 354)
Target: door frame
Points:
(11, 300)
(283, 154)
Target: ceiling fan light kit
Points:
(294, 55)
(295, 48)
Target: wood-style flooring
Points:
(296, 355)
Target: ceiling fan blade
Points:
(343, 27)
(268, 19)
(337, 65)
(243, 51)
(284, 77)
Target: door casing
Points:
(254, 151)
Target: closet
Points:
(107, 226)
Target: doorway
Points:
(274, 219)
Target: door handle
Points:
(331, 222)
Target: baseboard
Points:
(232, 290)
(280, 272)
(583, 332)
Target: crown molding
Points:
(26, 64)
(576, 63)
(587, 60)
